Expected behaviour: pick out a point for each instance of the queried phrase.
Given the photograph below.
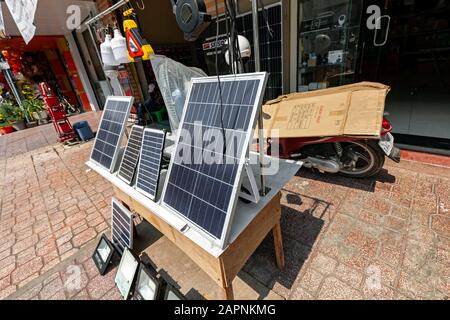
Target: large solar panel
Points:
(110, 132)
(202, 191)
(131, 156)
(150, 162)
(121, 226)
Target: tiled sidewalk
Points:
(380, 238)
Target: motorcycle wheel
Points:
(361, 159)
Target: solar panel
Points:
(204, 192)
(271, 47)
(131, 156)
(110, 132)
(121, 226)
(150, 162)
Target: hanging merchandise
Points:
(192, 17)
(2, 24)
(107, 52)
(119, 47)
(138, 47)
(23, 13)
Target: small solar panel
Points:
(121, 226)
(131, 156)
(150, 162)
(109, 135)
(205, 192)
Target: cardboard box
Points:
(351, 110)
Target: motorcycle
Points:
(348, 156)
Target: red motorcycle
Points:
(348, 156)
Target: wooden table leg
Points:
(278, 242)
(228, 293)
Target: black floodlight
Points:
(147, 284)
(103, 254)
(126, 273)
(192, 17)
(172, 293)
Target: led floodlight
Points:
(173, 294)
(103, 254)
(147, 284)
(126, 273)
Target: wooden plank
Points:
(237, 254)
(224, 269)
(204, 260)
(278, 242)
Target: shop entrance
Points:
(411, 53)
(409, 50)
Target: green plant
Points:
(33, 105)
(10, 112)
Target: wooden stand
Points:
(225, 268)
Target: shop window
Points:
(328, 43)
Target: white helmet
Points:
(244, 46)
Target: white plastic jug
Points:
(107, 53)
(119, 47)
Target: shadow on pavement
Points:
(364, 184)
(301, 227)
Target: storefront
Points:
(409, 50)
(44, 59)
(49, 55)
(309, 45)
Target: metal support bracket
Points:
(254, 195)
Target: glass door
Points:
(410, 51)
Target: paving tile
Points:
(51, 288)
(84, 237)
(310, 281)
(323, 264)
(334, 289)
(300, 294)
(350, 276)
(23, 272)
(382, 293)
(7, 291)
(441, 224)
(7, 265)
(25, 244)
(98, 287)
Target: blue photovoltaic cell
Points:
(110, 132)
(121, 227)
(131, 156)
(150, 162)
(201, 191)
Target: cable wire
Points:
(218, 80)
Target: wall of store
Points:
(158, 23)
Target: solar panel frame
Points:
(129, 101)
(262, 78)
(127, 228)
(144, 192)
(129, 149)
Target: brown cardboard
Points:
(353, 110)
